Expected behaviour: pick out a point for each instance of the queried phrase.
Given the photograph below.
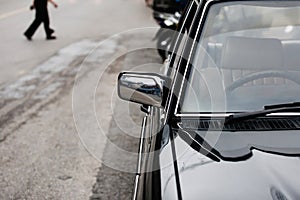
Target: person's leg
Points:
(33, 27)
(48, 30)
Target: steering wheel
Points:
(262, 74)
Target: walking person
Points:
(41, 16)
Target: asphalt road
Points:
(73, 20)
(50, 147)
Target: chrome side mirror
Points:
(143, 88)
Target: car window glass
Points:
(246, 58)
(181, 38)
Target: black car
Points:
(222, 120)
(168, 6)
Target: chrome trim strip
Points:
(204, 115)
(176, 73)
(136, 182)
(189, 58)
(139, 160)
(227, 114)
(139, 163)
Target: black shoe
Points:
(27, 36)
(50, 37)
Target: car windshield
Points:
(247, 56)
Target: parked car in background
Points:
(167, 14)
(167, 6)
(222, 120)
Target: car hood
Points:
(240, 165)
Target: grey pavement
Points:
(73, 21)
(43, 154)
(113, 183)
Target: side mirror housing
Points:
(143, 88)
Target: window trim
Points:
(205, 10)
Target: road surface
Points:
(43, 155)
(73, 20)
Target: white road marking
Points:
(12, 13)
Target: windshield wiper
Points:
(278, 108)
(283, 105)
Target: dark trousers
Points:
(40, 17)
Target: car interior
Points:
(253, 72)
